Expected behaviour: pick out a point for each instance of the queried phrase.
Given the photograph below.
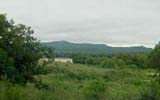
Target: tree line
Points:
(119, 60)
(141, 60)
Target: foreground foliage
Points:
(82, 82)
(19, 52)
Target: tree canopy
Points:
(154, 58)
(19, 51)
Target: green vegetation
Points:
(19, 52)
(154, 60)
(119, 60)
(23, 75)
(82, 82)
(67, 49)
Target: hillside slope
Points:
(64, 48)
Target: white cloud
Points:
(115, 22)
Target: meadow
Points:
(65, 81)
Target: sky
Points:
(112, 22)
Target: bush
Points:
(153, 93)
(94, 90)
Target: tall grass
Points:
(83, 82)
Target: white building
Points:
(64, 60)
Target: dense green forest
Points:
(68, 49)
(120, 76)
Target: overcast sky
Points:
(113, 22)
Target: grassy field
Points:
(81, 82)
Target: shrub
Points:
(153, 93)
(94, 90)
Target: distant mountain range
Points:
(65, 48)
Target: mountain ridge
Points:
(64, 48)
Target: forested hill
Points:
(65, 48)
